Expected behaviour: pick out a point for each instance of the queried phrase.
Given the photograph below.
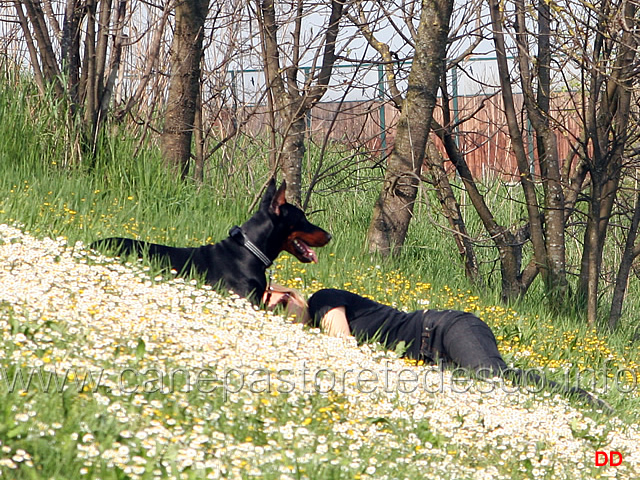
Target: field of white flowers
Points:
(107, 372)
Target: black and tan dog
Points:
(239, 262)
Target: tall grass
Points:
(127, 194)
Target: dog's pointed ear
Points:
(279, 198)
(265, 203)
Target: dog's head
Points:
(298, 234)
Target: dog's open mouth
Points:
(303, 252)
(299, 244)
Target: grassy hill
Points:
(121, 371)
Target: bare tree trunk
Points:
(290, 100)
(186, 55)
(107, 90)
(437, 176)
(450, 206)
(31, 47)
(50, 69)
(394, 208)
(104, 19)
(623, 112)
(626, 262)
(53, 21)
(198, 134)
(70, 44)
(554, 276)
(90, 92)
(513, 283)
(154, 52)
(293, 150)
(592, 255)
(607, 130)
(526, 180)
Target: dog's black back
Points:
(230, 264)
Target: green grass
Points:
(49, 194)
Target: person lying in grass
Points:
(444, 337)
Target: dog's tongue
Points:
(311, 254)
(306, 251)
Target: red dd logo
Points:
(612, 458)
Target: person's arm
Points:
(335, 323)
